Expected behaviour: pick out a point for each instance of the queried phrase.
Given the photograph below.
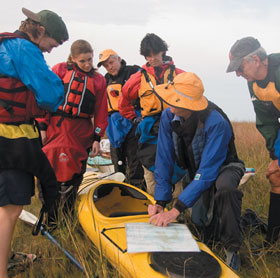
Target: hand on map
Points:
(163, 218)
(154, 209)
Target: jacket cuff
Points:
(180, 206)
(96, 138)
(161, 203)
(273, 156)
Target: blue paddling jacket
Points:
(210, 148)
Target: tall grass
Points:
(53, 263)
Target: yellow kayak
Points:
(103, 212)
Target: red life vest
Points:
(79, 98)
(17, 102)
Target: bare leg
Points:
(8, 217)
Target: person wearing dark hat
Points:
(27, 88)
(121, 131)
(249, 60)
(159, 69)
(197, 134)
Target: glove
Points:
(137, 120)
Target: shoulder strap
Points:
(148, 79)
(170, 76)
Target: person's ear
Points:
(42, 31)
(73, 59)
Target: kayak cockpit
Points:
(118, 200)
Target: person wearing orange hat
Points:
(27, 88)
(121, 131)
(197, 134)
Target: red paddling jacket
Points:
(79, 121)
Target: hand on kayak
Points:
(164, 218)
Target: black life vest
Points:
(185, 156)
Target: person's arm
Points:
(129, 93)
(165, 159)
(218, 134)
(43, 125)
(268, 125)
(33, 71)
(163, 167)
(60, 69)
(101, 107)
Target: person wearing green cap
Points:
(27, 88)
(197, 134)
(249, 60)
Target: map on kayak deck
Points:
(144, 237)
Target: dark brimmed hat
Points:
(186, 91)
(241, 49)
(104, 55)
(53, 24)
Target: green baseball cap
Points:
(53, 24)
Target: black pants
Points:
(225, 225)
(125, 160)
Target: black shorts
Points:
(16, 187)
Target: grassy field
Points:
(53, 263)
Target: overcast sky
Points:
(199, 34)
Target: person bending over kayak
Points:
(197, 134)
(27, 86)
(75, 129)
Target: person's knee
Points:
(228, 180)
(225, 185)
